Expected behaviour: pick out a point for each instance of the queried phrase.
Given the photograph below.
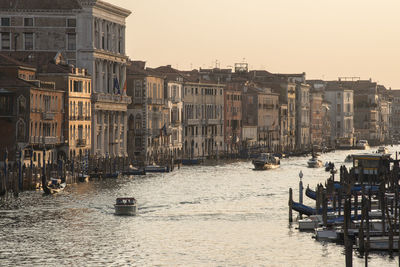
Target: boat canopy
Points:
(126, 200)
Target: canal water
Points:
(220, 215)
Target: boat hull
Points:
(125, 210)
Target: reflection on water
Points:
(225, 214)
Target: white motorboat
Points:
(362, 144)
(382, 150)
(380, 242)
(266, 161)
(310, 223)
(125, 206)
(326, 234)
(314, 162)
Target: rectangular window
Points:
(28, 22)
(28, 41)
(71, 23)
(71, 41)
(5, 40)
(5, 22)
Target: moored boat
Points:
(125, 206)
(314, 162)
(134, 171)
(54, 186)
(362, 144)
(310, 223)
(382, 150)
(156, 168)
(266, 161)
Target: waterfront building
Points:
(385, 110)
(303, 115)
(261, 109)
(173, 95)
(341, 113)
(92, 34)
(317, 112)
(147, 113)
(76, 83)
(285, 86)
(233, 117)
(395, 114)
(203, 118)
(203, 113)
(31, 114)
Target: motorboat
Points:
(134, 171)
(310, 223)
(314, 162)
(382, 150)
(54, 186)
(326, 234)
(125, 206)
(156, 168)
(349, 158)
(362, 144)
(266, 161)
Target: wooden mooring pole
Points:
(290, 205)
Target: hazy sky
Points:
(324, 38)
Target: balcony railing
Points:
(35, 139)
(193, 121)
(50, 140)
(111, 98)
(48, 115)
(153, 101)
(214, 121)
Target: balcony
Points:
(111, 98)
(152, 101)
(81, 142)
(72, 118)
(88, 118)
(34, 139)
(193, 122)
(214, 121)
(268, 106)
(49, 140)
(48, 115)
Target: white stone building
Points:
(341, 111)
(101, 49)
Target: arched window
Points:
(20, 130)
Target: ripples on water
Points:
(222, 215)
